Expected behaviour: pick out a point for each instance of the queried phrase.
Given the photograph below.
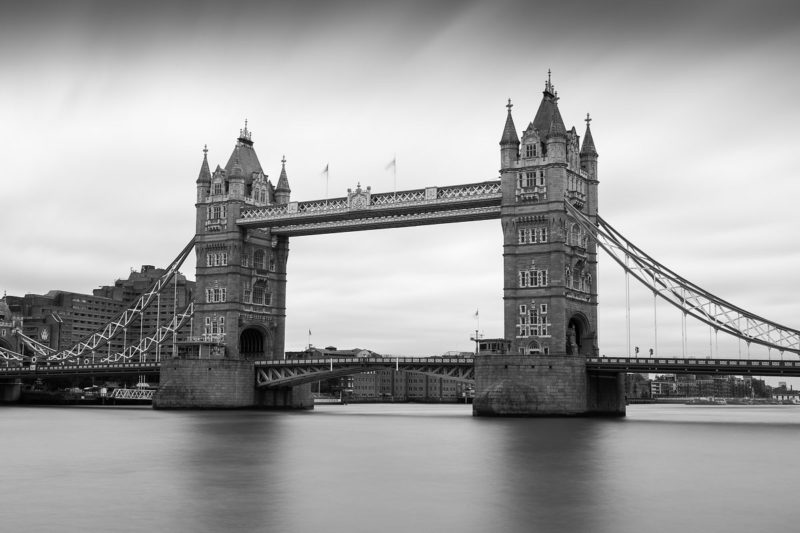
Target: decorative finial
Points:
(283, 160)
(205, 150)
(509, 105)
(548, 86)
(588, 119)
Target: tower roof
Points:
(245, 154)
(509, 131)
(588, 143)
(548, 118)
(283, 181)
(205, 172)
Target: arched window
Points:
(534, 348)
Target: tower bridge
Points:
(545, 363)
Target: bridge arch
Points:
(579, 339)
(254, 342)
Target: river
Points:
(399, 467)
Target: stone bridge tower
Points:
(550, 272)
(241, 274)
(240, 307)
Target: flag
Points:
(392, 164)
(325, 170)
(476, 313)
(309, 332)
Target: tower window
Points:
(533, 278)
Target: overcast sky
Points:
(105, 108)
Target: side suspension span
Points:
(121, 322)
(685, 295)
(141, 348)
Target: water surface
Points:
(393, 468)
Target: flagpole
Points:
(395, 173)
(327, 176)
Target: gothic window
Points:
(529, 150)
(542, 234)
(209, 259)
(246, 259)
(533, 278)
(272, 264)
(258, 292)
(247, 296)
(223, 259)
(532, 324)
(259, 259)
(218, 187)
(217, 294)
(523, 235)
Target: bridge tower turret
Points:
(550, 274)
(282, 191)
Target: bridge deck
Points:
(294, 371)
(666, 365)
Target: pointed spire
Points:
(283, 181)
(548, 118)
(510, 131)
(205, 173)
(588, 142)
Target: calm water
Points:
(388, 468)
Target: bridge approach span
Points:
(293, 372)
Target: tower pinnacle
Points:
(205, 172)
(245, 136)
(588, 142)
(509, 131)
(548, 86)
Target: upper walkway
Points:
(363, 210)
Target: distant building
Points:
(61, 319)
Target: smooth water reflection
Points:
(394, 468)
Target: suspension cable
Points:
(699, 303)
